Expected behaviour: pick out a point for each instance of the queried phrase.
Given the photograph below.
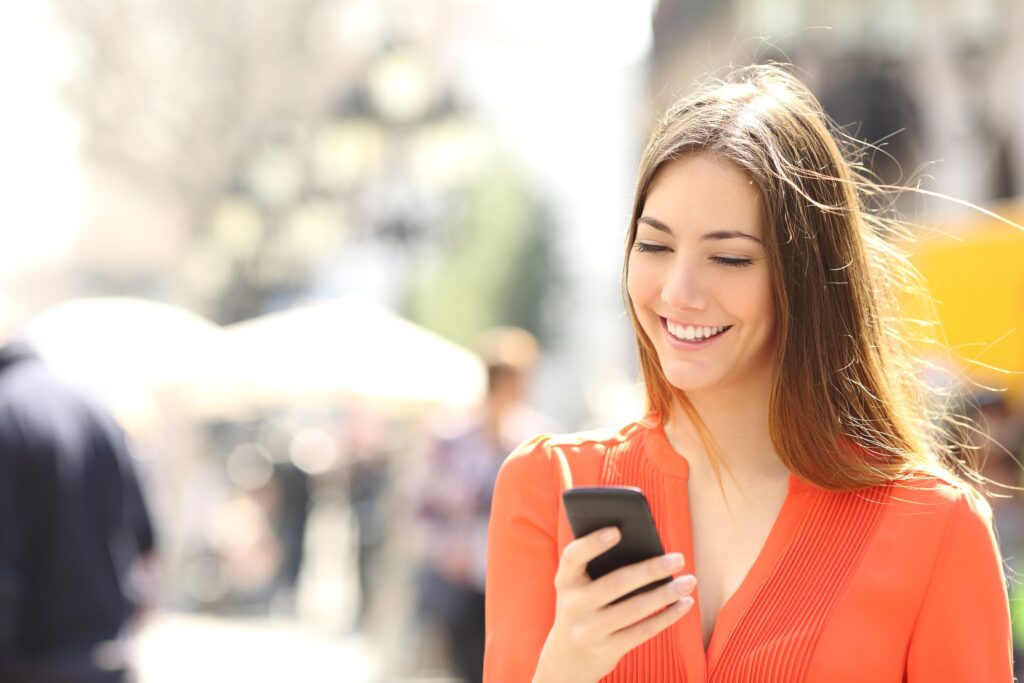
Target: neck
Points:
(494, 412)
(738, 421)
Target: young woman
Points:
(848, 542)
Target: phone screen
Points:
(625, 507)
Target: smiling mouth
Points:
(692, 333)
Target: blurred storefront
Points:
(929, 87)
(973, 266)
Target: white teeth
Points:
(691, 333)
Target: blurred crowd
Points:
(224, 449)
(354, 521)
(358, 523)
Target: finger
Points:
(625, 580)
(628, 612)
(628, 638)
(572, 568)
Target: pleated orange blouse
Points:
(900, 582)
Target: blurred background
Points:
(280, 238)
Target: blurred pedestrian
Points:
(293, 503)
(74, 528)
(454, 498)
(368, 470)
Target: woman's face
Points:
(699, 265)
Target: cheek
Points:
(649, 269)
(751, 298)
(635, 285)
(638, 288)
(763, 302)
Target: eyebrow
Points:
(716, 235)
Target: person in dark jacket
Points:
(73, 525)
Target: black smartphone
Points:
(625, 507)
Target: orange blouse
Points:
(888, 584)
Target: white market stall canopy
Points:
(109, 340)
(124, 350)
(336, 352)
(340, 351)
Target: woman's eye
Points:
(645, 246)
(732, 262)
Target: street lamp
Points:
(401, 87)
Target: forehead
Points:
(699, 193)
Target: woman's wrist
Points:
(543, 675)
(547, 672)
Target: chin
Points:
(689, 382)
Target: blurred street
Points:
(193, 647)
(325, 263)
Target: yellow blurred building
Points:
(974, 268)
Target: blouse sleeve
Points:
(522, 557)
(962, 633)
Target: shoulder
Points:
(944, 494)
(951, 512)
(39, 407)
(32, 385)
(549, 452)
(546, 446)
(527, 493)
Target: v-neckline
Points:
(736, 605)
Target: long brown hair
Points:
(848, 405)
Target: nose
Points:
(684, 288)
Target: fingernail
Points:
(672, 561)
(683, 604)
(684, 583)
(608, 535)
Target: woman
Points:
(847, 542)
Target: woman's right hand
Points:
(590, 635)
